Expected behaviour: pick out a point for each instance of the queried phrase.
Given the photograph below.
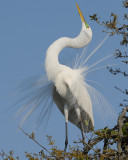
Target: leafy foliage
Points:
(114, 145)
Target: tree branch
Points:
(32, 137)
(120, 125)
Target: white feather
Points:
(66, 86)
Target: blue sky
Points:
(27, 28)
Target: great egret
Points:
(65, 86)
(69, 91)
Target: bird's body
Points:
(67, 87)
(70, 93)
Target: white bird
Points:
(69, 92)
(66, 86)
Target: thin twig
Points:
(6, 154)
(32, 137)
(94, 150)
(89, 146)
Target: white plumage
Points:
(69, 81)
(65, 86)
(70, 93)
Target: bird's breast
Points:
(63, 80)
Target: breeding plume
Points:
(69, 91)
(65, 86)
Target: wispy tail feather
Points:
(36, 94)
(102, 108)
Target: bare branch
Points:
(32, 137)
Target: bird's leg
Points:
(66, 126)
(81, 126)
(82, 131)
(66, 137)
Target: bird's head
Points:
(85, 26)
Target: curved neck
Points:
(52, 64)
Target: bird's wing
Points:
(78, 89)
(92, 101)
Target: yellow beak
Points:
(80, 13)
(81, 16)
